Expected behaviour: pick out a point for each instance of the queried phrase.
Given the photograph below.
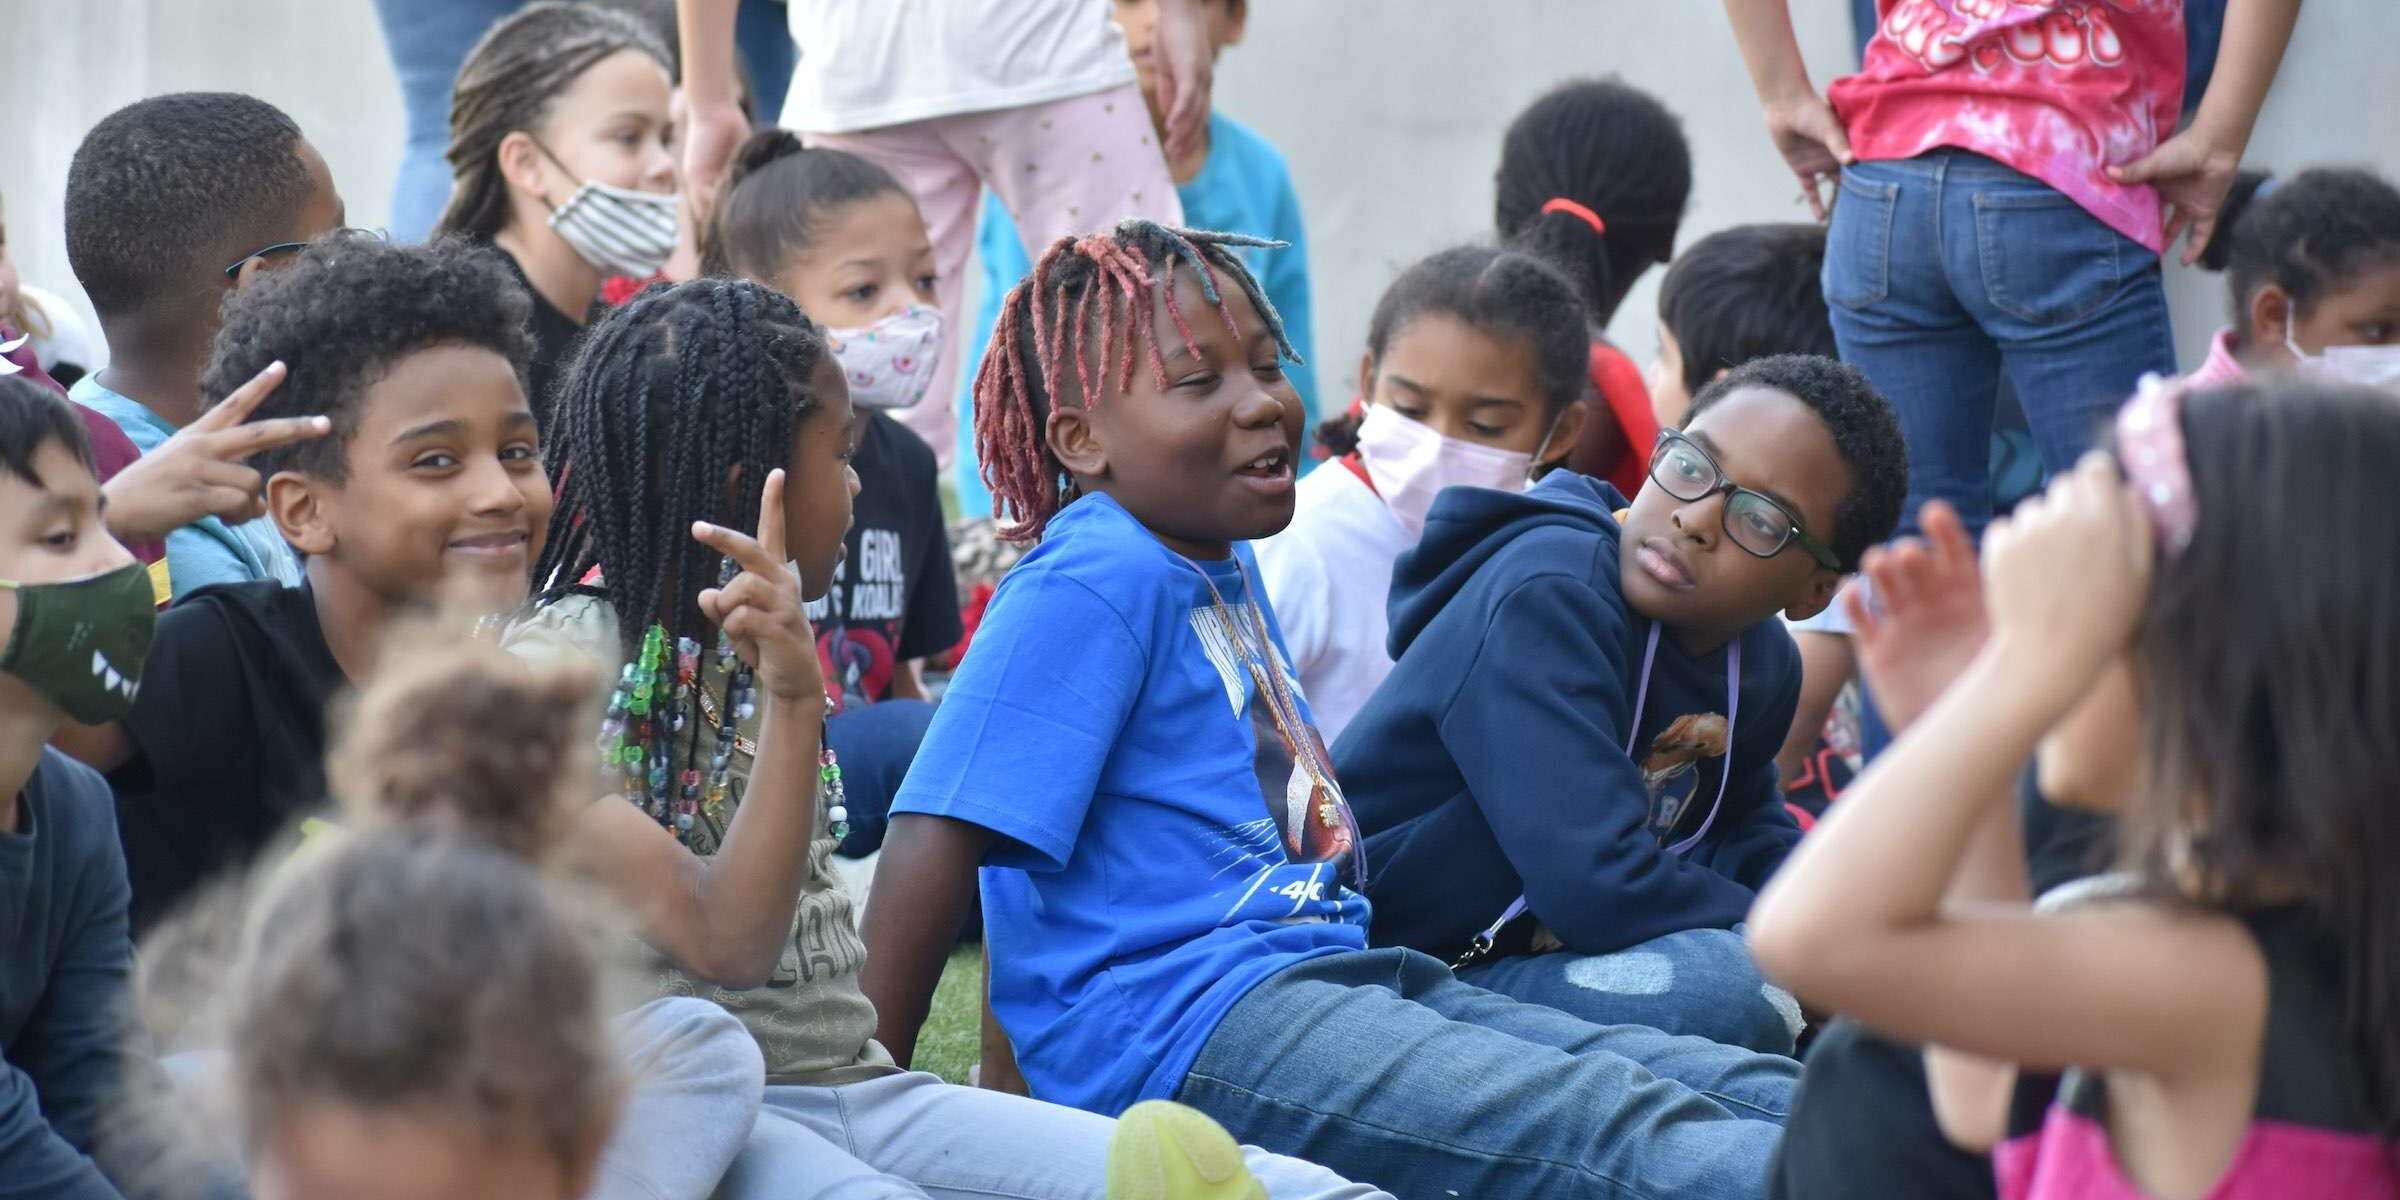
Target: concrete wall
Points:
(1389, 110)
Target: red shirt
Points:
(1619, 435)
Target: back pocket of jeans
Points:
(2045, 260)
(1858, 242)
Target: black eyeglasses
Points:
(1755, 521)
(235, 270)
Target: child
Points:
(2314, 266)
(559, 135)
(2004, 172)
(172, 202)
(838, 235)
(1169, 863)
(1235, 180)
(2228, 1018)
(1474, 364)
(1634, 664)
(729, 865)
(431, 483)
(69, 594)
(1593, 176)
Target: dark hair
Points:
(2270, 698)
(164, 192)
(31, 415)
(345, 311)
(1047, 328)
(775, 199)
(424, 974)
(1744, 293)
(1865, 434)
(1616, 151)
(508, 83)
(1506, 294)
(672, 391)
(2309, 234)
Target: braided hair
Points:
(1084, 309)
(673, 391)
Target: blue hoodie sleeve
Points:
(1537, 728)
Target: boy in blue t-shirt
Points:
(1170, 869)
(1237, 182)
(1576, 747)
(172, 203)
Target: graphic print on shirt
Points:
(1989, 33)
(1671, 771)
(858, 621)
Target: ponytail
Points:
(1593, 178)
(775, 199)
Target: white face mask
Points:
(618, 230)
(2373, 366)
(1409, 464)
(890, 363)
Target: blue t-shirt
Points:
(1243, 187)
(208, 550)
(1109, 728)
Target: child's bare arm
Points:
(713, 114)
(1825, 665)
(924, 885)
(2193, 170)
(1806, 131)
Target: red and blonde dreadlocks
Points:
(1047, 322)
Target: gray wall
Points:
(1389, 110)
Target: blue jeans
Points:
(1383, 1066)
(428, 41)
(875, 743)
(1944, 270)
(1694, 982)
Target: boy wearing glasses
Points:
(172, 202)
(1567, 785)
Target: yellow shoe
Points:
(1166, 1151)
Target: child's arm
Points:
(1856, 921)
(1187, 64)
(727, 918)
(714, 126)
(1825, 666)
(931, 861)
(1806, 130)
(2193, 170)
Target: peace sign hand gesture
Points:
(761, 610)
(201, 471)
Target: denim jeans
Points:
(875, 743)
(1694, 982)
(1945, 270)
(1383, 1066)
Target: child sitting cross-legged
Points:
(1576, 748)
(1169, 869)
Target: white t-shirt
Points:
(1329, 576)
(870, 64)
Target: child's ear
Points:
(521, 162)
(2270, 314)
(1564, 435)
(1237, 19)
(1366, 377)
(297, 502)
(1074, 443)
(1823, 585)
(250, 269)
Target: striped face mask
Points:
(618, 230)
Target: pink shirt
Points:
(2058, 89)
(2222, 369)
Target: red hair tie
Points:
(1577, 211)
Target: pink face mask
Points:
(1409, 464)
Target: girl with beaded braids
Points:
(687, 410)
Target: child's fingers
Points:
(770, 517)
(1946, 533)
(736, 545)
(236, 408)
(1902, 583)
(1864, 624)
(247, 439)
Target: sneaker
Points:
(1165, 1151)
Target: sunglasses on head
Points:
(235, 269)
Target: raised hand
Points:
(1926, 621)
(2067, 574)
(761, 610)
(200, 471)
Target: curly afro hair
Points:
(341, 314)
(165, 191)
(1865, 434)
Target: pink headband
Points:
(2150, 448)
(1560, 204)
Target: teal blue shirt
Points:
(1242, 187)
(208, 550)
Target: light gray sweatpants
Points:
(695, 1082)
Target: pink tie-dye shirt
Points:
(2058, 89)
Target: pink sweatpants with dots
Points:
(1062, 167)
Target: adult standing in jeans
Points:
(2007, 186)
(428, 40)
(1035, 98)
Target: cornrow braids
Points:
(1083, 308)
(673, 392)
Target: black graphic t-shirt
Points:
(894, 597)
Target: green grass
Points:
(952, 1039)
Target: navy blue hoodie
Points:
(1492, 762)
